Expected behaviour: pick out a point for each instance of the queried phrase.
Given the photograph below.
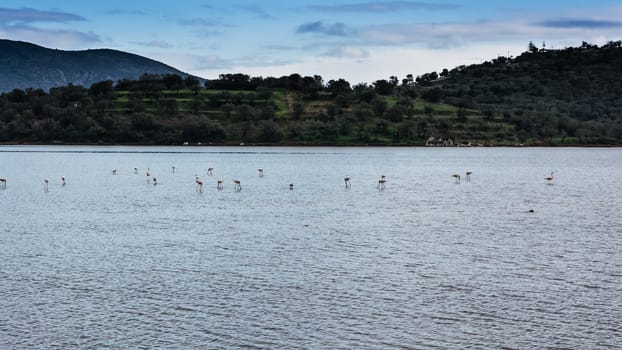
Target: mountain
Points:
(24, 65)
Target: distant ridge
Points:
(24, 65)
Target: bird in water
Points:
(381, 182)
(550, 177)
(199, 183)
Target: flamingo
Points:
(260, 170)
(199, 183)
(457, 177)
(550, 177)
(2, 183)
(209, 171)
(347, 181)
(219, 184)
(468, 175)
(238, 186)
(381, 182)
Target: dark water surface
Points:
(113, 261)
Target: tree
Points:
(267, 113)
(338, 87)
(461, 113)
(364, 92)
(384, 87)
(298, 109)
(432, 95)
(245, 112)
(227, 109)
(103, 89)
(379, 106)
(395, 114)
(173, 82)
(193, 84)
(197, 104)
(268, 132)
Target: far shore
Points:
(253, 144)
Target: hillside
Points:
(542, 97)
(572, 94)
(24, 65)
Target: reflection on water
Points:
(114, 261)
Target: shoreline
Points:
(308, 145)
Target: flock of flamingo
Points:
(238, 186)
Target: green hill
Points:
(558, 96)
(562, 97)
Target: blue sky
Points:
(361, 41)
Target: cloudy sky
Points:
(361, 41)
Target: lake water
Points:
(114, 261)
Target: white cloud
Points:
(52, 38)
(350, 52)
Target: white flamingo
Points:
(381, 182)
(457, 177)
(199, 183)
(550, 178)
